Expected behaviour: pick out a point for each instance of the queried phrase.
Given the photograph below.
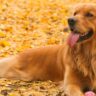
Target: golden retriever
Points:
(74, 62)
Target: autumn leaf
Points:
(4, 43)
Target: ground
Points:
(32, 23)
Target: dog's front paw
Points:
(69, 93)
(72, 90)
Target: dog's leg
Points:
(73, 90)
(72, 85)
(70, 90)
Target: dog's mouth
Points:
(86, 36)
(76, 36)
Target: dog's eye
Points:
(75, 13)
(89, 14)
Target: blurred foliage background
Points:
(27, 24)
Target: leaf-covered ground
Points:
(27, 24)
(20, 88)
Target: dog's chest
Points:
(82, 60)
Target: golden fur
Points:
(75, 66)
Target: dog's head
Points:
(82, 23)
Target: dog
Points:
(73, 63)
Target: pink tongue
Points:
(72, 39)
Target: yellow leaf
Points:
(35, 35)
(2, 34)
(8, 29)
(4, 43)
(44, 20)
(52, 41)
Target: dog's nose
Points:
(71, 21)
